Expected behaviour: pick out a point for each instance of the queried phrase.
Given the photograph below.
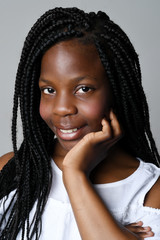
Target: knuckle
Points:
(89, 137)
(119, 135)
(108, 135)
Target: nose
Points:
(64, 105)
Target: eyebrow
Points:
(77, 79)
(44, 80)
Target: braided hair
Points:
(28, 173)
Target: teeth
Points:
(69, 130)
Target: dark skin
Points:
(73, 82)
(76, 96)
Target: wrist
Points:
(73, 177)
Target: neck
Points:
(116, 166)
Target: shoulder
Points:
(5, 158)
(152, 198)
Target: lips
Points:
(70, 134)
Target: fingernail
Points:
(139, 223)
(146, 228)
(150, 233)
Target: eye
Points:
(49, 91)
(84, 89)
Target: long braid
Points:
(31, 176)
(128, 71)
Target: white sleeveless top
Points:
(123, 198)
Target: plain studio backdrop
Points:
(140, 19)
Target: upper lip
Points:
(67, 127)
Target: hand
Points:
(93, 148)
(142, 232)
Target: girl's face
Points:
(75, 94)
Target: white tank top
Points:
(123, 198)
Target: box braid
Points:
(29, 171)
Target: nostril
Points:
(64, 104)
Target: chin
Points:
(68, 145)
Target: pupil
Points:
(50, 90)
(85, 89)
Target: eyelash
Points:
(86, 87)
(89, 89)
(44, 89)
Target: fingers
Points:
(106, 129)
(115, 125)
(137, 228)
(111, 131)
(140, 223)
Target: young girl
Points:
(86, 168)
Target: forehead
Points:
(74, 45)
(72, 56)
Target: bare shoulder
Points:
(152, 198)
(5, 158)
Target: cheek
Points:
(44, 111)
(96, 110)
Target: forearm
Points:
(93, 218)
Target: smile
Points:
(69, 130)
(70, 134)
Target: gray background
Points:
(140, 19)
